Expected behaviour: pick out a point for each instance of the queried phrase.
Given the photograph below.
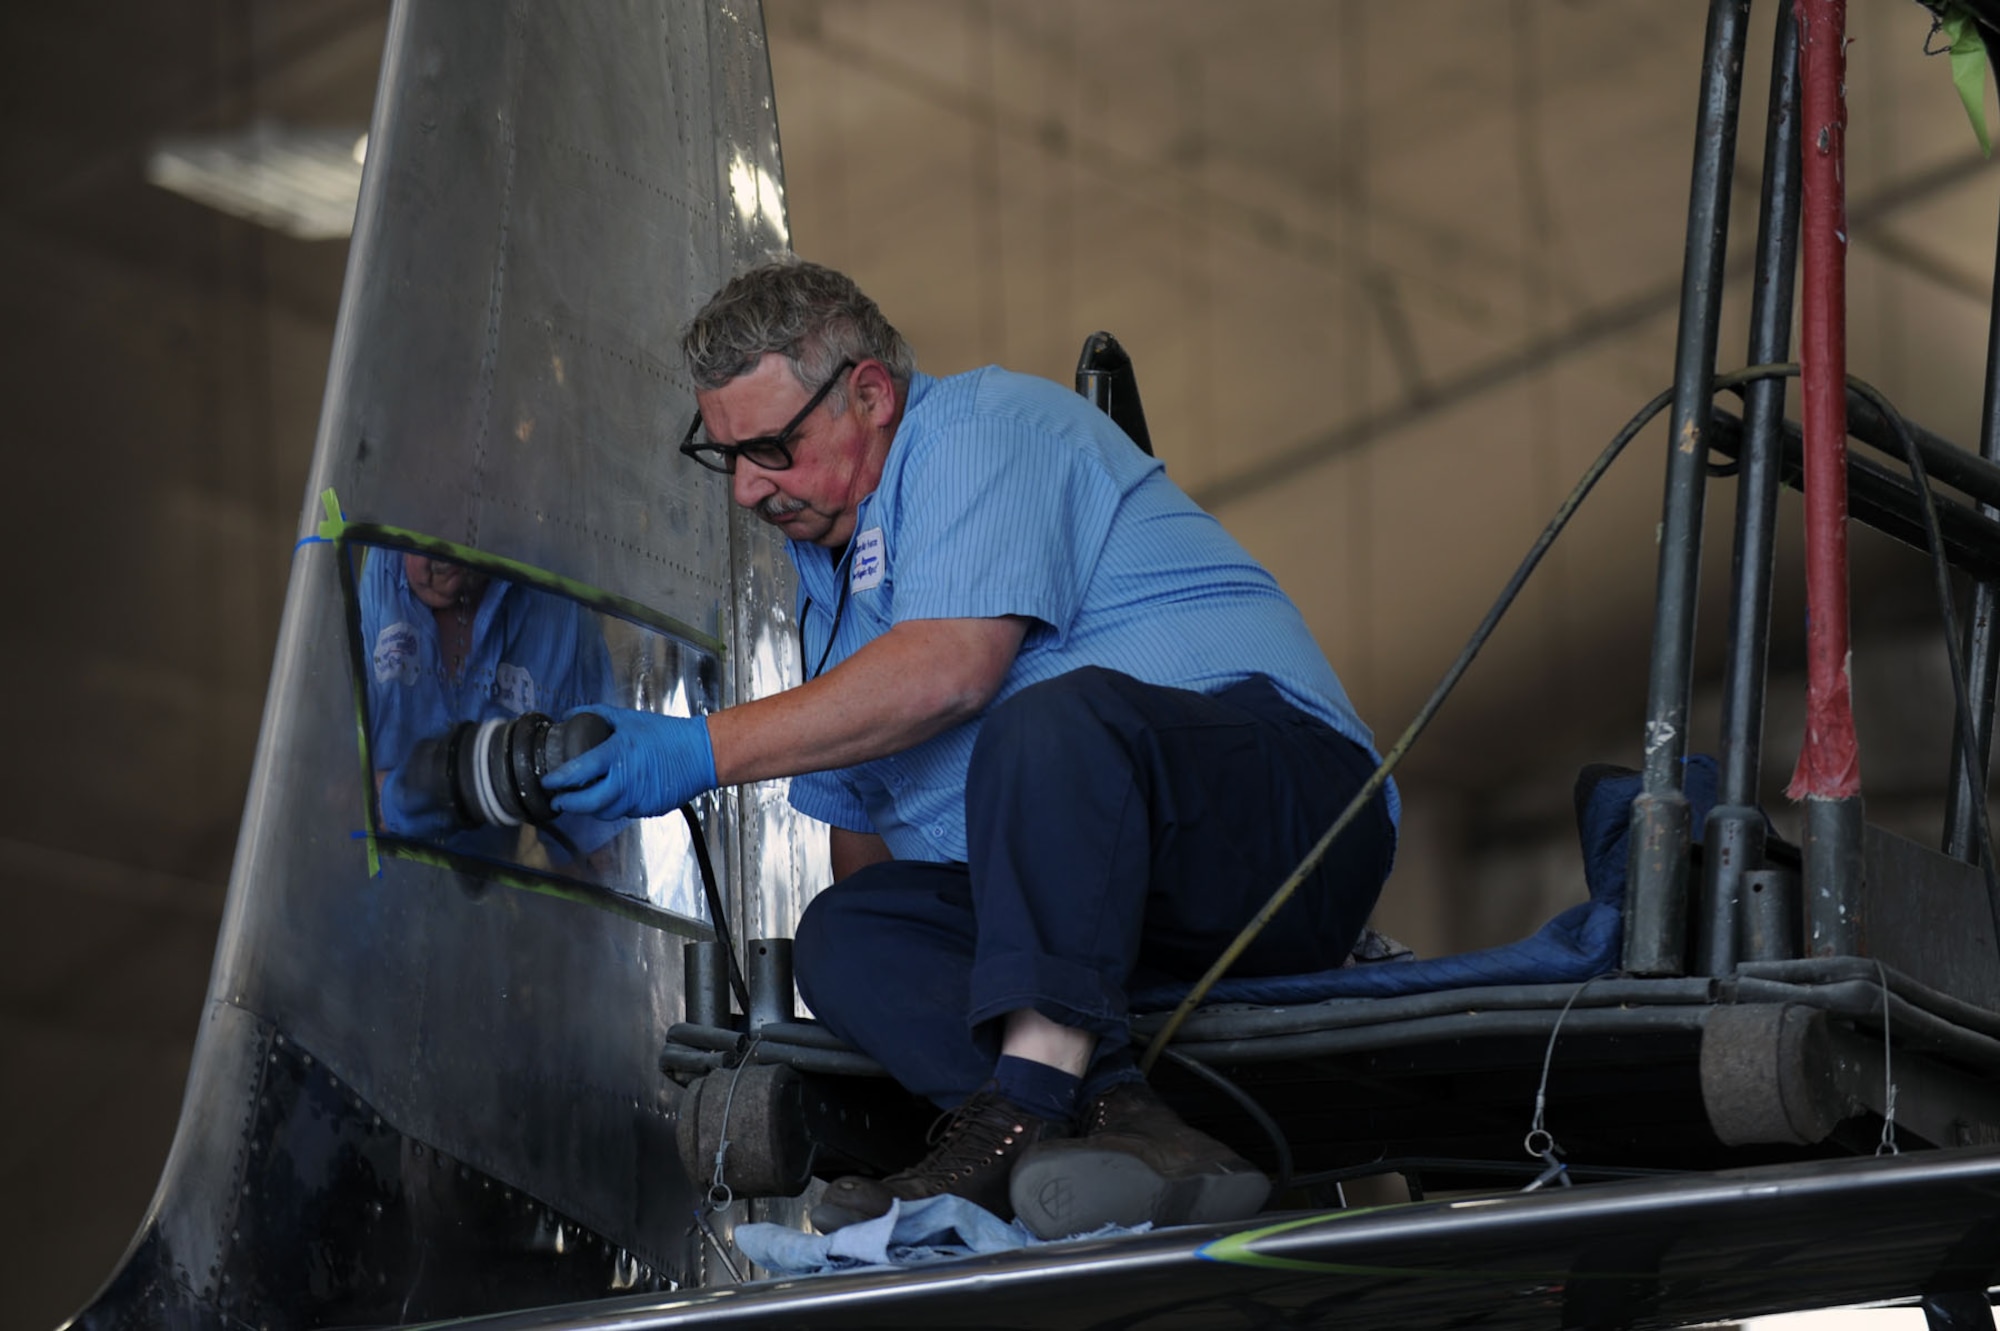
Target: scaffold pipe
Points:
(1828, 776)
(1828, 764)
(1656, 898)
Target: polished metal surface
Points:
(540, 653)
(550, 191)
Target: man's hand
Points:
(652, 764)
(407, 814)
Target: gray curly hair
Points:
(811, 315)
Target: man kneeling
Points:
(1068, 736)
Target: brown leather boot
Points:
(972, 1159)
(1135, 1162)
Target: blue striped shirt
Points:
(1005, 494)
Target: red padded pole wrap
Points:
(1829, 767)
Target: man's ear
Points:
(875, 390)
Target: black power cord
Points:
(716, 914)
(1968, 740)
(1280, 1147)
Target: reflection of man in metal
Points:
(448, 643)
(1069, 736)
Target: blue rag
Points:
(935, 1229)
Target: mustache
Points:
(774, 507)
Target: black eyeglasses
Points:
(772, 452)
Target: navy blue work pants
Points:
(1120, 833)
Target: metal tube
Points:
(1734, 835)
(706, 980)
(1828, 777)
(1946, 463)
(770, 981)
(1732, 848)
(1834, 868)
(1886, 499)
(1770, 916)
(1982, 663)
(1656, 898)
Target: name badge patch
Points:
(516, 688)
(395, 655)
(869, 562)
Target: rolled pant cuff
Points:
(1060, 990)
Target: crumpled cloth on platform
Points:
(935, 1229)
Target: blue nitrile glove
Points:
(652, 764)
(406, 813)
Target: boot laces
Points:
(972, 1137)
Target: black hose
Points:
(1257, 1113)
(1233, 1023)
(1968, 742)
(716, 914)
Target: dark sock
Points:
(1043, 1091)
(1107, 1070)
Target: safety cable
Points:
(1504, 602)
(1887, 1146)
(1540, 1143)
(720, 1194)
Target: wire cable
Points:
(720, 1194)
(1887, 1146)
(1540, 1143)
(1416, 728)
